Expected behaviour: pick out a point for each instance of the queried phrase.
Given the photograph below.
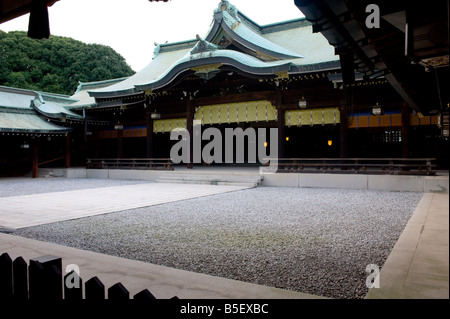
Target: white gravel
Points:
(316, 241)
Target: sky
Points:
(133, 27)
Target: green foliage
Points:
(56, 65)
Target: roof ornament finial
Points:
(156, 50)
(224, 5)
(203, 46)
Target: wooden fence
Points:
(130, 163)
(42, 279)
(391, 166)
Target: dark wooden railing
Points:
(392, 166)
(42, 279)
(130, 163)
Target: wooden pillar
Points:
(344, 132)
(405, 130)
(281, 132)
(35, 158)
(346, 59)
(120, 143)
(190, 129)
(96, 144)
(68, 151)
(85, 135)
(149, 141)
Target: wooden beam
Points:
(236, 98)
(11, 9)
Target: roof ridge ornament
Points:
(224, 5)
(157, 50)
(204, 46)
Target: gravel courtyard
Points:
(316, 241)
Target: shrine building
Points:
(238, 74)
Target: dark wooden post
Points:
(54, 283)
(144, 295)
(68, 151)
(118, 292)
(96, 144)
(190, 129)
(343, 132)
(6, 277)
(149, 136)
(281, 122)
(346, 59)
(120, 143)
(281, 131)
(20, 278)
(405, 130)
(36, 280)
(94, 289)
(46, 273)
(74, 292)
(35, 158)
(85, 125)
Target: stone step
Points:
(216, 179)
(47, 172)
(209, 182)
(226, 178)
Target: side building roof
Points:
(81, 99)
(17, 114)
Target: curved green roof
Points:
(247, 37)
(197, 58)
(256, 50)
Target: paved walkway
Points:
(418, 266)
(37, 209)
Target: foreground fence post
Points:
(42, 280)
(94, 289)
(6, 277)
(36, 280)
(118, 292)
(73, 286)
(53, 280)
(46, 278)
(20, 277)
(144, 295)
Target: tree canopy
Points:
(56, 65)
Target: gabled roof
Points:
(54, 107)
(228, 26)
(205, 59)
(81, 98)
(237, 42)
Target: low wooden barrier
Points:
(392, 166)
(130, 163)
